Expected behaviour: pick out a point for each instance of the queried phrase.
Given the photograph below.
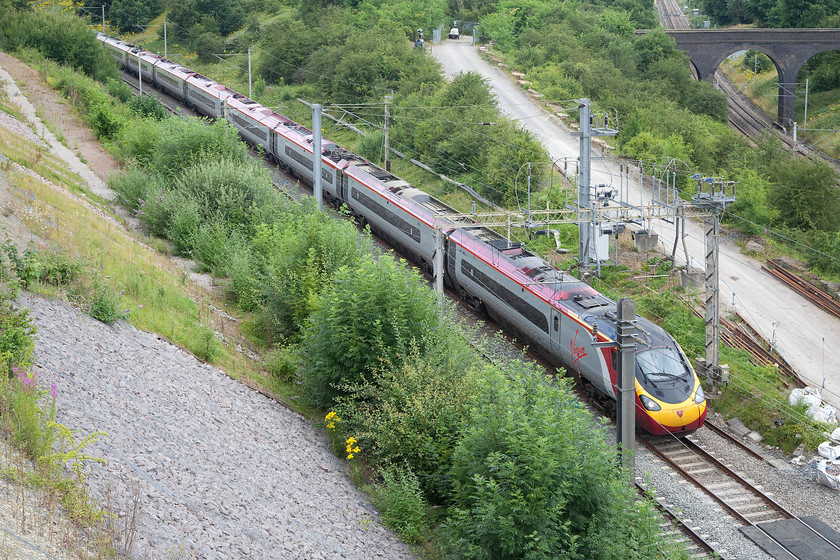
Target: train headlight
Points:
(649, 403)
(699, 396)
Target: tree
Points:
(130, 15)
(652, 47)
(805, 194)
(752, 212)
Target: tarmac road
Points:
(806, 336)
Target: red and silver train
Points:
(551, 311)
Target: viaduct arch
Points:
(789, 49)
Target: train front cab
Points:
(679, 419)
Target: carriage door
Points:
(555, 327)
(341, 188)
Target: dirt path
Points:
(58, 115)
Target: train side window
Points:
(556, 323)
(614, 353)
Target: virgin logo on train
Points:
(578, 352)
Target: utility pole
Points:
(139, 74)
(103, 18)
(625, 344)
(805, 120)
(164, 39)
(437, 264)
(529, 192)
(715, 200)
(316, 154)
(388, 98)
(249, 77)
(586, 238)
(626, 412)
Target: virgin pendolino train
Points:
(550, 310)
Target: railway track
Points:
(806, 289)
(740, 497)
(680, 529)
(734, 334)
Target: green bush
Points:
(229, 190)
(241, 267)
(301, 253)
(134, 185)
(148, 106)
(140, 140)
(400, 502)
(370, 314)
(59, 37)
(211, 246)
(104, 121)
(534, 478)
(183, 227)
(119, 89)
(183, 143)
(283, 364)
(103, 304)
(411, 412)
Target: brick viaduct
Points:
(789, 49)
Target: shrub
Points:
(103, 304)
(62, 38)
(370, 314)
(534, 477)
(119, 89)
(140, 140)
(302, 251)
(228, 190)
(211, 246)
(134, 186)
(410, 412)
(182, 143)
(401, 504)
(148, 106)
(183, 227)
(283, 364)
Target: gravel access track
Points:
(224, 471)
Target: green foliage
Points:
(410, 412)
(283, 364)
(103, 304)
(533, 479)
(59, 37)
(27, 411)
(133, 186)
(228, 190)
(652, 47)
(213, 15)
(16, 337)
(148, 106)
(72, 451)
(171, 146)
(302, 252)
(368, 65)
(119, 89)
(130, 15)
(806, 195)
(752, 212)
(370, 314)
(400, 502)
